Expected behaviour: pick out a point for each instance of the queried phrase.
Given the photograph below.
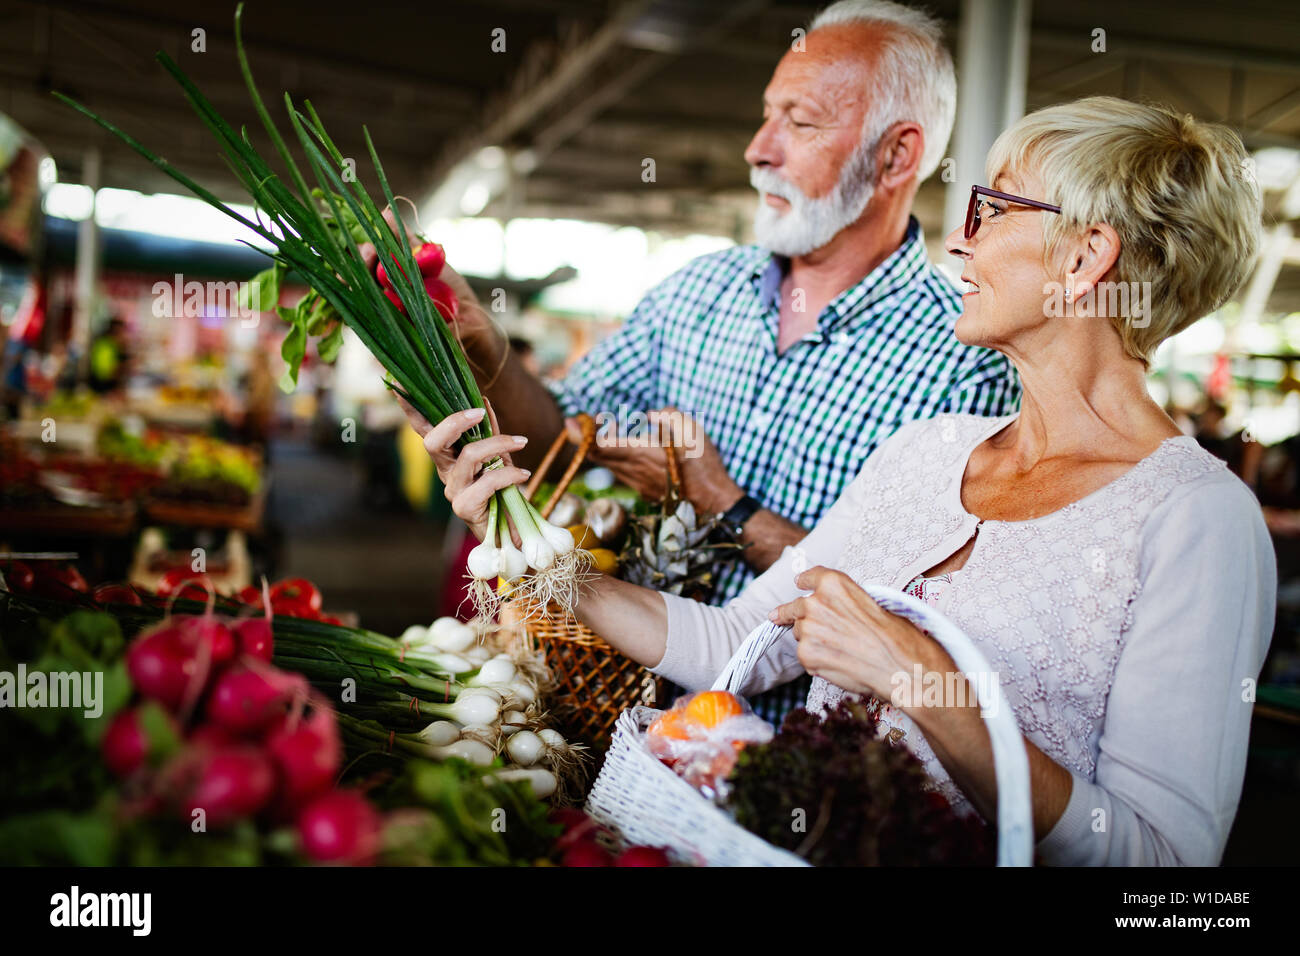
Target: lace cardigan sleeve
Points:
(1173, 745)
(701, 639)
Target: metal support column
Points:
(992, 76)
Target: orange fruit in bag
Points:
(711, 707)
(674, 725)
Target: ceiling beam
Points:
(577, 116)
(519, 108)
(1158, 49)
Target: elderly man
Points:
(781, 350)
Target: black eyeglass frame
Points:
(972, 214)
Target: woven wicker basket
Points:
(594, 682)
(645, 803)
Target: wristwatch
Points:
(734, 518)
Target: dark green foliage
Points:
(861, 800)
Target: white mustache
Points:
(766, 181)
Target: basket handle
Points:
(1011, 762)
(588, 426)
(585, 444)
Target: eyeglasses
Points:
(972, 211)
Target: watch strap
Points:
(739, 513)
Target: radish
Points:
(578, 828)
(207, 629)
(308, 756)
(245, 700)
(340, 827)
(643, 856)
(229, 783)
(133, 736)
(255, 638)
(162, 665)
(443, 296)
(586, 853)
(209, 736)
(429, 259)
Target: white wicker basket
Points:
(645, 803)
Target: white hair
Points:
(914, 81)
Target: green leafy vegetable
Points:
(862, 801)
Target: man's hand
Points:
(642, 462)
(708, 486)
(636, 462)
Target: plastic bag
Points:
(701, 736)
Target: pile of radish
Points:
(584, 843)
(219, 735)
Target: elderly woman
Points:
(1118, 578)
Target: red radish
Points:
(244, 700)
(126, 743)
(210, 630)
(394, 298)
(163, 666)
(643, 856)
(308, 757)
(251, 596)
(255, 638)
(69, 576)
(443, 296)
(19, 576)
(586, 853)
(229, 783)
(211, 736)
(117, 594)
(340, 827)
(429, 259)
(576, 831)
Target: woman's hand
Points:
(848, 639)
(467, 484)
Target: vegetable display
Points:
(318, 232)
(191, 723)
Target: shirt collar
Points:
(899, 268)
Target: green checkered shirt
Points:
(793, 428)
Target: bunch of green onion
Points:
(317, 232)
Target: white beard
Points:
(811, 223)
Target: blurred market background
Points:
(522, 132)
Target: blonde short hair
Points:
(1179, 192)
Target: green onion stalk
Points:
(317, 231)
